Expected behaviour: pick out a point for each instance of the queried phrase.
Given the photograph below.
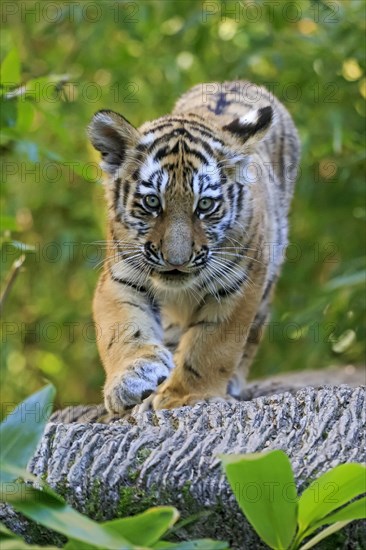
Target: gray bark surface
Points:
(121, 467)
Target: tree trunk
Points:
(171, 457)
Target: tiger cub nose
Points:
(175, 264)
(176, 258)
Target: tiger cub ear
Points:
(252, 126)
(112, 135)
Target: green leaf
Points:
(6, 533)
(354, 510)
(264, 486)
(357, 278)
(11, 541)
(19, 544)
(193, 518)
(24, 147)
(52, 83)
(78, 545)
(323, 534)
(23, 247)
(25, 116)
(22, 429)
(46, 508)
(7, 135)
(146, 528)
(329, 492)
(200, 544)
(8, 471)
(8, 223)
(10, 69)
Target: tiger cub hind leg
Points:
(237, 383)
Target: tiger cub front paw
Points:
(171, 396)
(138, 378)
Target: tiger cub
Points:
(197, 225)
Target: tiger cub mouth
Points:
(173, 272)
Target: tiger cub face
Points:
(177, 189)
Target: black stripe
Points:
(176, 149)
(195, 153)
(221, 104)
(160, 126)
(281, 167)
(181, 131)
(240, 202)
(132, 304)
(161, 152)
(193, 123)
(111, 342)
(171, 344)
(208, 149)
(125, 193)
(171, 135)
(223, 292)
(155, 309)
(209, 135)
(117, 191)
(188, 367)
(268, 288)
(140, 289)
(213, 186)
(147, 183)
(230, 192)
(154, 306)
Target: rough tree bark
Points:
(170, 457)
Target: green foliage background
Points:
(137, 58)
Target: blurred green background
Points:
(74, 58)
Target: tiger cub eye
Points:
(205, 204)
(151, 201)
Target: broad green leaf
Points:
(7, 135)
(19, 544)
(193, 518)
(11, 541)
(146, 528)
(324, 534)
(357, 278)
(46, 508)
(10, 69)
(47, 87)
(23, 247)
(78, 545)
(329, 492)
(5, 530)
(24, 147)
(8, 223)
(25, 116)
(5, 533)
(264, 486)
(200, 544)
(22, 429)
(354, 510)
(10, 472)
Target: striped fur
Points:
(184, 275)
